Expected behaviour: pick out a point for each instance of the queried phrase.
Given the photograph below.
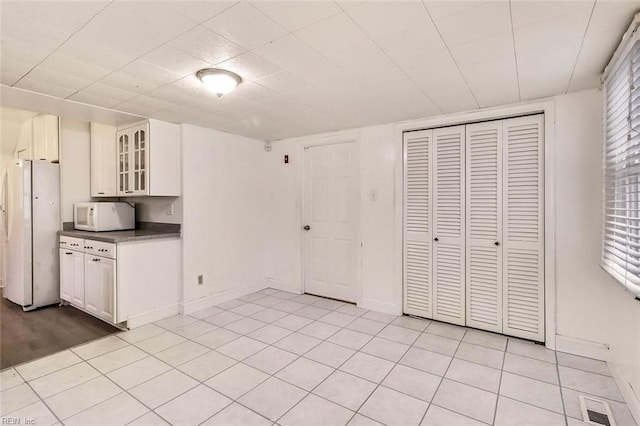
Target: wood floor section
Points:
(25, 336)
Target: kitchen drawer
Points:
(100, 248)
(71, 243)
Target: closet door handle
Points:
(497, 243)
(435, 239)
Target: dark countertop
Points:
(144, 232)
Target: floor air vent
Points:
(595, 411)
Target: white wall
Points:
(225, 202)
(377, 172)
(590, 305)
(74, 165)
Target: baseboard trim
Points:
(376, 305)
(625, 388)
(214, 299)
(283, 286)
(581, 347)
(156, 315)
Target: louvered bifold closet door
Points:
(417, 223)
(449, 225)
(484, 225)
(523, 229)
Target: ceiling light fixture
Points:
(219, 81)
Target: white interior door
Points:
(484, 225)
(418, 297)
(331, 242)
(449, 224)
(523, 215)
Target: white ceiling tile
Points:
(334, 33)
(493, 82)
(199, 11)
(595, 53)
(294, 15)
(29, 83)
(189, 85)
(14, 67)
(547, 71)
(149, 103)
(254, 91)
(25, 29)
(74, 67)
(365, 58)
(532, 12)
(381, 18)
(173, 96)
(94, 52)
(174, 60)
(249, 66)
(145, 71)
(578, 84)
(446, 87)
(558, 30)
(127, 83)
(484, 50)
(416, 48)
(65, 16)
(7, 78)
(121, 28)
(109, 92)
(348, 4)
(25, 52)
(612, 15)
(92, 99)
(58, 78)
(206, 45)
(442, 9)
(131, 109)
(246, 26)
(289, 53)
(475, 23)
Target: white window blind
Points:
(621, 230)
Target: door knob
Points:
(306, 227)
(497, 243)
(435, 239)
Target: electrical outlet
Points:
(169, 210)
(200, 279)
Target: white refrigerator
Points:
(32, 221)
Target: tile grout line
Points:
(564, 408)
(444, 374)
(504, 357)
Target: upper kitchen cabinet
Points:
(148, 159)
(39, 139)
(45, 137)
(103, 164)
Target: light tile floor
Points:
(278, 358)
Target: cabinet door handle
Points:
(96, 260)
(68, 252)
(100, 193)
(128, 192)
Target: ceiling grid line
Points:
(451, 55)
(575, 64)
(515, 54)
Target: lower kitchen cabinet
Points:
(72, 276)
(100, 287)
(130, 283)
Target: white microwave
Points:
(104, 216)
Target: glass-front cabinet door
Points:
(140, 136)
(133, 160)
(123, 162)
